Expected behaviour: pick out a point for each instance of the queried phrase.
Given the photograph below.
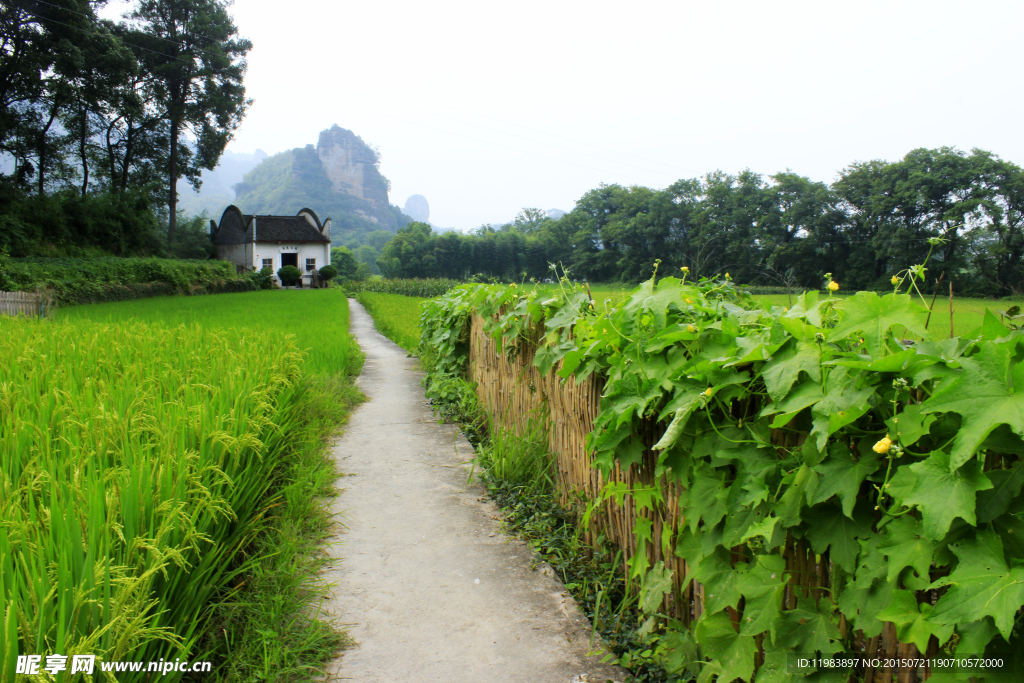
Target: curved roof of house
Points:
(238, 228)
(284, 229)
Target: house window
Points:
(268, 263)
(310, 264)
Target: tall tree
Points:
(196, 62)
(38, 41)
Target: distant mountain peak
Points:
(417, 208)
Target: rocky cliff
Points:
(340, 178)
(352, 166)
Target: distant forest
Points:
(782, 230)
(100, 119)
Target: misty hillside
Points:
(339, 178)
(217, 190)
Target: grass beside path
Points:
(396, 316)
(265, 625)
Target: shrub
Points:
(263, 278)
(328, 272)
(289, 275)
(85, 280)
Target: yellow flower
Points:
(895, 280)
(689, 301)
(833, 286)
(691, 329)
(883, 446)
(685, 269)
(727, 276)
(513, 285)
(709, 392)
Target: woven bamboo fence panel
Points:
(514, 391)
(28, 304)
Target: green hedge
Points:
(839, 468)
(75, 281)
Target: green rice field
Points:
(317, 318)
(396, 316)
(144, 446)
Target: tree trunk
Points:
(81, 149)
(42, 148)
(111, 157)
(172, 223)
(128, 151)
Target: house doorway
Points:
(289, 260)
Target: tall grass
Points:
(520, 461)
(396, 316)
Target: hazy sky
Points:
(485, 108)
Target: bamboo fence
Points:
(30, 304)
(514, 392)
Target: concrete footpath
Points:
(428, 586)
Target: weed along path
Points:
(430, 588)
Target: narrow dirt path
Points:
(429, 586)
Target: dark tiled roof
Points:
(231, 230)
(285, 229)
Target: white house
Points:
(254, 242)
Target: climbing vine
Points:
(839, 424)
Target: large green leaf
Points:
(656, 584)
(719, 577)
(841, 475)
(911, 621)
(810, 628)
(802, 485)
(982, 585)
(1006, 485)
(870, 592)
(706, 499)
(829, 529)
(909, 425)
(872, 316)
(731, 654)
(804, 395)
(984, 395)
(842, 405)
(785, 367)
(943, 495)
(762, 586)
(905, 546)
